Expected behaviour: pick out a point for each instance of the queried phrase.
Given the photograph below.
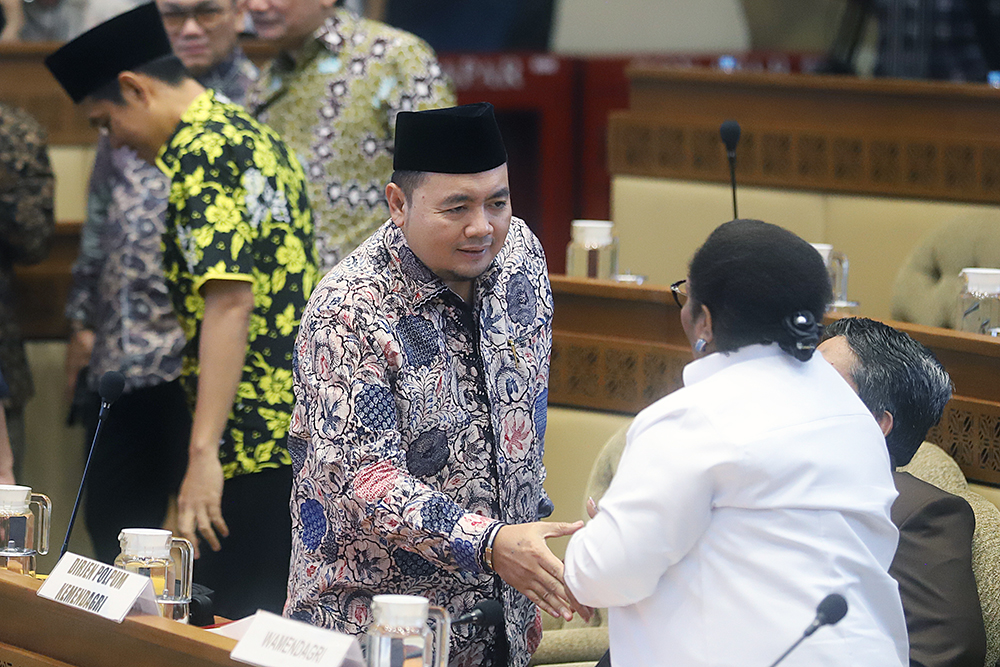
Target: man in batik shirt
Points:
(119, 308)
(239, 265)
(26, 224)
(333, 94)
(421, 381)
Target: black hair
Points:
(408, 181)
(898, 375)
(762, 284)
(168, 69)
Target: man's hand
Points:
(221, 352)
(81, 345)
(199, 503)
(523, 560)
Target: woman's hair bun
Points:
(805, 334)
(750, 275)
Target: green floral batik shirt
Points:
(335, 103)
(238, 210)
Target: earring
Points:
(700, 345)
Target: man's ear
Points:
(135, 89)
(397, 203)
(885, 422)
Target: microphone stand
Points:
(86, 467)
(729, 132)
(790, 649)
(732, 180)
(111, 386)
(829, 612)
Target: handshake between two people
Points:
(523, 559)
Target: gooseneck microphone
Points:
(828, 612)
(730, 133)
(110, 388)
(485, 613)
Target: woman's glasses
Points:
(679, 290)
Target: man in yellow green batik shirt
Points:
(240, 263)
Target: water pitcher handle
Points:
(839, 267)
(187, 565)
(44, 515)
(442, 630)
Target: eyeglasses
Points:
(207, 16)
(680, 292)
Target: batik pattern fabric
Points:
(118, 287)
(335, 104)
(418, 426)
(238, 210)
(27, 220)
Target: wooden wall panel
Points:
(837, 134)
(621, 347)
(26, 83)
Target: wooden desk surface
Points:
(620, 347)
(50, 633)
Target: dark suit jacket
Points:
(933, 565)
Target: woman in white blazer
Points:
(747, 496)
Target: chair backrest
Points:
(605, 466)
(933, 465)
(927, 286)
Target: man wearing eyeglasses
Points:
(203, 34)
(120, 313)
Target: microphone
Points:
(828, 612)
(110, 388)
(485, 613)
(730, 133)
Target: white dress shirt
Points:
(740, 502)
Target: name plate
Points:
(274, 641)
(97, 588)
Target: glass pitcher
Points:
(19, 543)
(147, 551)
(979, 301)
(593, 250)
(838, 267)
(399, 633)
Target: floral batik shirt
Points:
(27, 221)
(238, 210)
(335, 103)
(418, 427)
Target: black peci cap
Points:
(454, 140)
(96, 57)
